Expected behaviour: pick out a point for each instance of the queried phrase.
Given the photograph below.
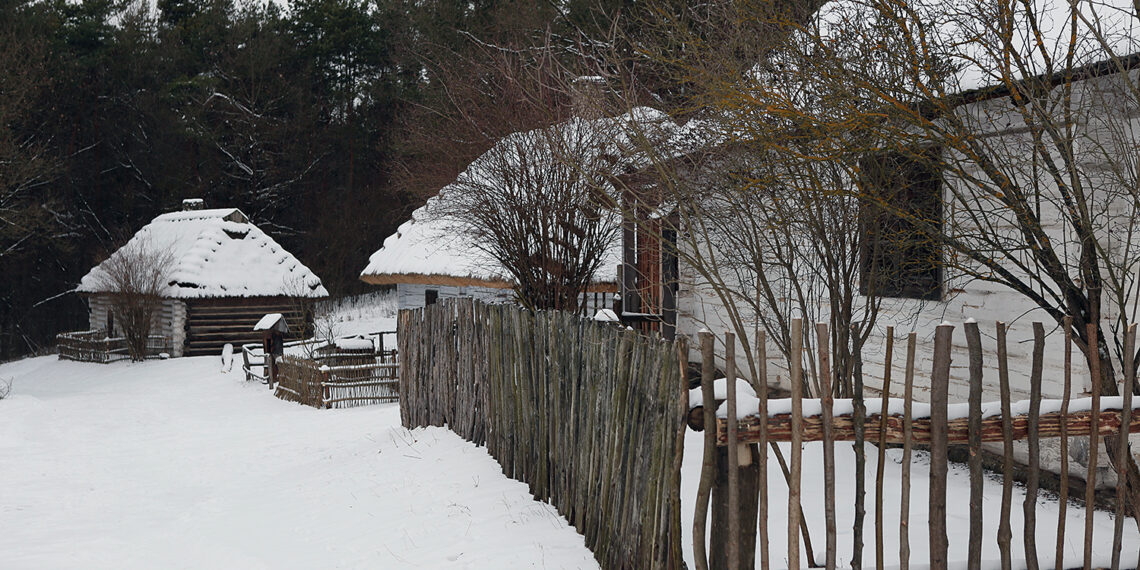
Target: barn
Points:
(224, 274)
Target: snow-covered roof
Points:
(966, 33)
(429, 249)
(268, 321)
(216, 253)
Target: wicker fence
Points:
(313, 383)
(587, 415)
(741, 530)
(96, 346)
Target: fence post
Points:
(974, 344)
(1059, 563)
(1094, 440)
(884, 411)
(708, 465)
(794, 514)
(1005, 534)
(939, 393)
(827, 407)
(1125, 424)
(908, 430)
(734, 541)
(1032, 482)
(326, 389)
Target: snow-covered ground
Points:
(360, 314)
(173, 464)
(957, 508)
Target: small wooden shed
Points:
(225, 274)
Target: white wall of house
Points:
(170, 320)
(414, 295)
(1111, 121)
(1107, 129)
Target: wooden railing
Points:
(96, 346)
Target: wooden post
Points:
(908, 436)
(1030, 505)
(974, 343)
(762, 446)
(797, 442)
(1094, 442)
(675, 555)
(939, 393)
(326, 389)
(708, 466)
(1059, 564)
(884, 411)
(828, 403)
(1125, 422)
(734, 527)
(1005, 535)
(735, 492)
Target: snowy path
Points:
(171, 464)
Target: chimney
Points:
(190, 204)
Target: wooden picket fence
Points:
(587, 415)
(879, 421)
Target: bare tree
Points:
(537, 204)
(136, 277)
(1023, 114)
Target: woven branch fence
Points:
(756, 422)
(587, 415)
(96, 346)
(311, 383)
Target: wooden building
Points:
(224, 275)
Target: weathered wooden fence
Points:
(315, 384)
(587, 415)
(96, 346)
(754, 422)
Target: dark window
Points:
(430, 297)
(899, 221)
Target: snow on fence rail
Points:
(587, 415)
(96, 346)
(754, 422)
